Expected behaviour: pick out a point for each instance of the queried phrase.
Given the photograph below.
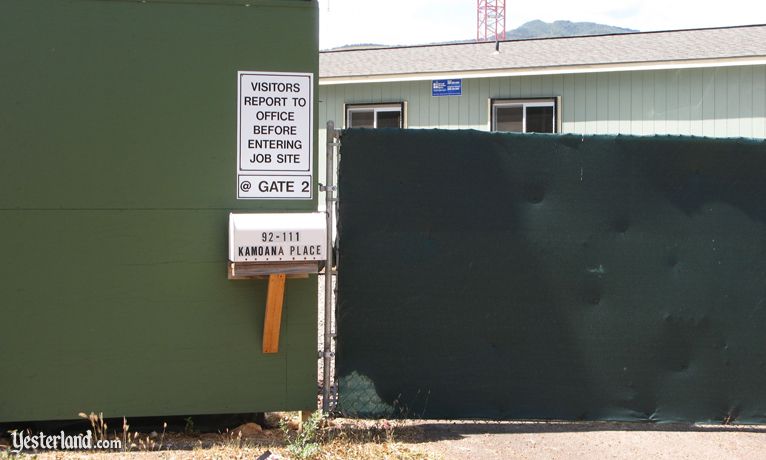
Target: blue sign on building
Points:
(446, 87)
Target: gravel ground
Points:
(560, 440)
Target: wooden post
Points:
(275, 297)
(305, 415)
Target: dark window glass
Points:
(509, 119)
(389, 120)
(361, 118)
(539, 119)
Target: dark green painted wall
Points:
(117, 174)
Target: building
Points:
(702, 82)
(116, 183)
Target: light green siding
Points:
(716, 102)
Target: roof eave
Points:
(550, 70)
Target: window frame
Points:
(524, 102)
(376, 107)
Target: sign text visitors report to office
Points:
(275, 135)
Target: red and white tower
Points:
(490, 20)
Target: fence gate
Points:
(534, 277)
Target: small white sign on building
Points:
(275, 136)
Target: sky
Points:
(408, 22)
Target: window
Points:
(525, 115)
(390, 115)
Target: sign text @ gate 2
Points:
(274, 135)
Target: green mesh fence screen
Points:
(551, 277)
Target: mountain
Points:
(540, 29)
(359, 46)
(531, 29)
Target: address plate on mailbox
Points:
(291, 237)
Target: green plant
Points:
(304, 443)
(189, 428)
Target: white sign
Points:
(288, 237)
(275, 136)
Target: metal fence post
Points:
(329, 189)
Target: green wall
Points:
(117, 175)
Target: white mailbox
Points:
(267, 244)
(277, 238)
(277, 246)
